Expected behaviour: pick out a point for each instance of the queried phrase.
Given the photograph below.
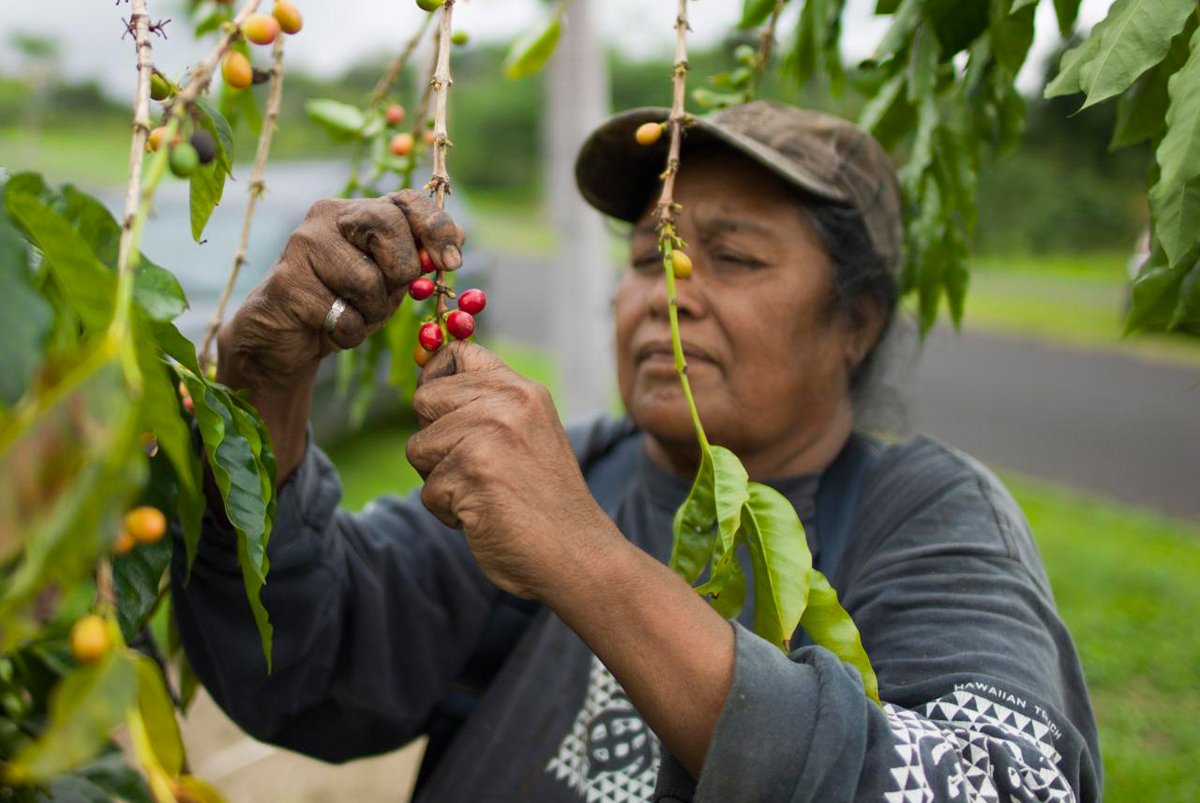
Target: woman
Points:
(531, 628)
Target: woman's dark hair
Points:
(862, 284)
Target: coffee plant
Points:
(115, 433)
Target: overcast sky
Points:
(339, 33)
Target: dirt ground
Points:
(248, 771)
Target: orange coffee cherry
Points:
(648, 133)
(146, 524)
(288, 17)
(402, 144)
(124, 543)
(261, 29)
(90, 639)
(236, 70)
(154, 141)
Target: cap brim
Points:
(618, 176)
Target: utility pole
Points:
(582, 277)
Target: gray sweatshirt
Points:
(384, 630)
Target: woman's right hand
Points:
(362, 251)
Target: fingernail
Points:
(451, 257)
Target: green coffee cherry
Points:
(459, 38)
(160, 88)
(430, 5)
(183, 159)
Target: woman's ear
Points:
(867, 321)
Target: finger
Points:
(428, 447)
(459, 357)
(433, 228)
(351, 274)
(378, 228)
(440, 491)
(306, 298)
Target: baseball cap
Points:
(826, 157)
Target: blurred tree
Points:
(39, 63)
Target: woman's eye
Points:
(742, 260)
(647, 261)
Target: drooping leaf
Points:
(828, 625)
(341, 120)
(1067, 81)
(1066, 11)
(1175, 198)
(731, 492)
(956, 22)
(781, 562)
(532, 50)
(1011, 33)
(1187, 310)
(1134, 37)
(755, 13)
(158, 716)
(211, 119)
(695, 524)
(239, 475)
(728, 588)
(101, 781)
(206, 187)
(23, 328)
(1154, 294)
(84, 708)
(1142, 111)
(199, 790)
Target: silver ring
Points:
(335, 312)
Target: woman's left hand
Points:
(498, 465)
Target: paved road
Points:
(1109, 423)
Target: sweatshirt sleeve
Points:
(984, 699)
(375, 614)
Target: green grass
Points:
(95, 159)
(1127, 583)
(1073, 300)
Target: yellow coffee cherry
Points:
(648, 133)
(681, 264)
(90, 639)
(146, 524)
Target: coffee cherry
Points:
(124, 543)
(160, 88)
(90, 639)
(460, 325)
(401, 144)
(430, 5)
(154, 141)
(430, 138)
(421, 289)
(146, 524)
(236, 70)
(430, 336)
(472, 301)
(427, 265)
(394, 114)
(183, 159)
(288, 16)
(261, 29)
(648, 133)
(459, 38)
(420, 355)
(205, 145)
(681, 264)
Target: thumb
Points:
(459, 357)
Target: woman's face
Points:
(767, 360)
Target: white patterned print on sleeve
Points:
(964, 747)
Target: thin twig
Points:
(202, 75)
(766, 41)
(140, 23)
(668, 237)
(675, 123)
(439, 182)
(396, 68)
(255, 191)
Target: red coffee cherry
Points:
(460, 325)
(401, 144)
(394, 114)
(430, 336)
(472, 301)
(421, 289)
(426, 263)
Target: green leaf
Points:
(211, 119)
(1175, 198)
(1154, 294)
(84, 708)
(957, 23)
(23, 328)
(922, 67)
(1066, 11)
(137, 576)
(158, 716)
(878, 115)
(207, 185)
(1068, 81)
(238, 467)
(727, 588)
(101, 781)
(1011, 34)
(1187, 310)
(533, 49)
(730, 493)
(1142, 111)
(829, 626)
(781, 563)
(755, 13)
(1134, 37)
(341, 120)
(908, 15)
(694, 524)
